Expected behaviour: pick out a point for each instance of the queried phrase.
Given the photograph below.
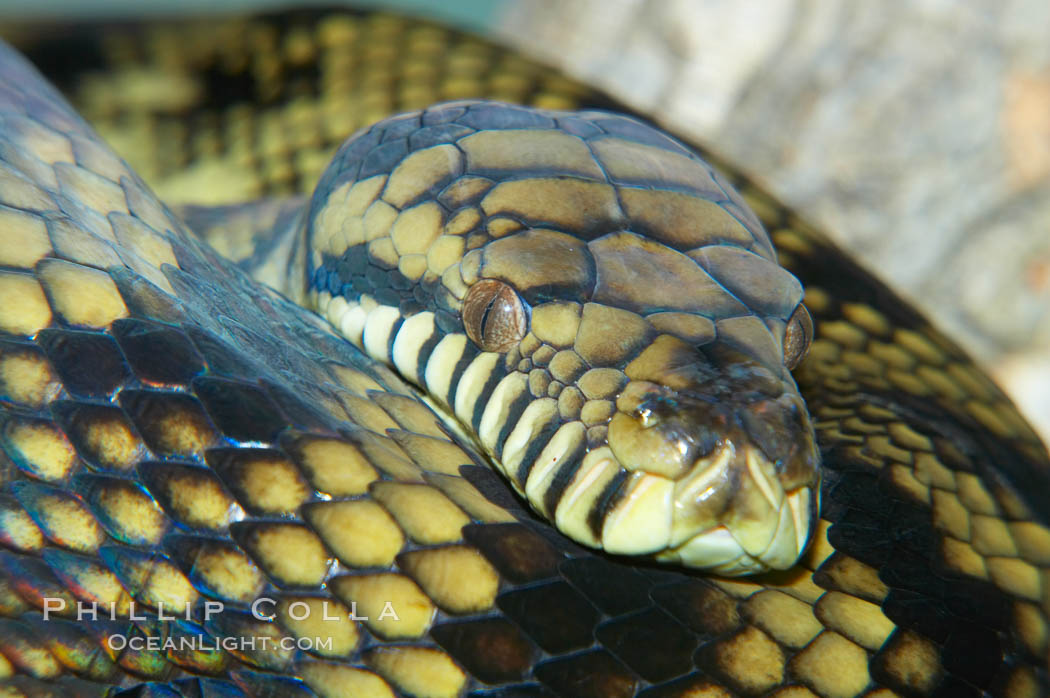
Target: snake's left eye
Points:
(797, 337)
(494, 316)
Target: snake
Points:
(521, 397)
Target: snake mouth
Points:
(733, 516)
(741, 464)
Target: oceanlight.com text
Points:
(203, 643)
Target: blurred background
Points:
(915, 132)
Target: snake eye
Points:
(797, 336)
(494, 316)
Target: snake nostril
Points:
(647, 416)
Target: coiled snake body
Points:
(208, 490)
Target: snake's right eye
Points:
(797, 337)
(494, 316)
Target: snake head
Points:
(594, 307)
(731, 445)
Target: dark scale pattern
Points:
(493, 650)
(973, 652)
(555, 615)
(906, 570)
(242, 411)
(612, 492)
(351, 158)
(638, 132)
(382, 158)
(220, 357)
(486, 117)
(967, 598)
(896, 535)
(856, 532)
(157, 353)
(913, 610)
(498, 372)
(355, 272)
(569, 622)
(448, 322)
(518, 552)
(612, 588)
(239, 335)
(378, 278)
(651, 643)
(145, 301)
(299, 406)
(593, 674)
(438, 133)
(400, 127)
(68, 351)
(708, 612)
(578, 126)
(495, 490)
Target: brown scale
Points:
(929, 571)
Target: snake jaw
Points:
(733, 515)
(740, 453)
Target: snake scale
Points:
(207, 491)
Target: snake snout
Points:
(740, 450)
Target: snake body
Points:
(188, 450)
